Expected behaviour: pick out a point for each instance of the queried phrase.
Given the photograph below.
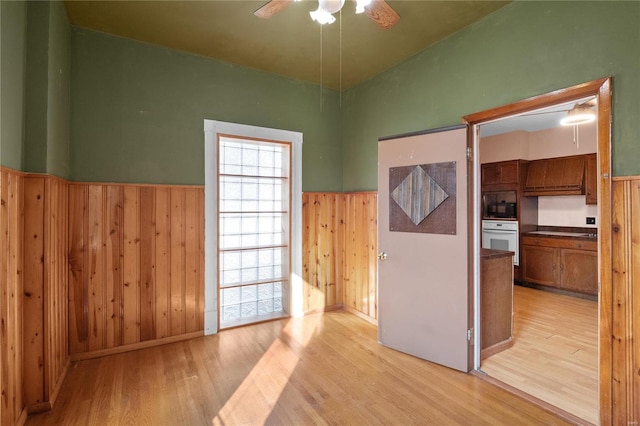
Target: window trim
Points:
(212, 129)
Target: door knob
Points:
(382, 255)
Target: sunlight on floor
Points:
(255, 398)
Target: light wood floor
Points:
(322, 369)
(555, 354)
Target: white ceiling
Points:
(531, 121)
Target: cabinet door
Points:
(535, 175)
(579, 271)
(509, 172)
(540, 265)
(591, 179)
(490, 174)
(554, 173)
(573, 172)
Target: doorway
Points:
(601, 90)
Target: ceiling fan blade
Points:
(382, 14)
(271, 8)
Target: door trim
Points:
(601, 89)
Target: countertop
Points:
(562, 234)
(486, 253)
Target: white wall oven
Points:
(501, 235)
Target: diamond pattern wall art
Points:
(423, 198)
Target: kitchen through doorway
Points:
(553, 359)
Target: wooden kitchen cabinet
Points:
(579, 271)
(556, 176)
(565, 263)
(501, 173)
(591, 179)
(496, 301)
(541, 265)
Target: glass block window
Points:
(253, 229)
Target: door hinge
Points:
(469, 153)
(469, 334)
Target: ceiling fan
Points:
(378, 11)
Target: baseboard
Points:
(56, 391)
(498, 347)
(41, 407)
(361, 315)
(22, 419)
(325, 309)
(135, 346)
(557, 290)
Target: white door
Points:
(424, 283)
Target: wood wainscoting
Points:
(360, 258)
(625, 327)
(46, 344)
(340, 252)
(12, 406)
(136, 265)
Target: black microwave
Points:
(499, 205)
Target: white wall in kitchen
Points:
(565, 210)
(556, 142)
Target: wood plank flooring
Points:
(321, 369)
(555, 354)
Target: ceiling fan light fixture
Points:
(331, 6)
(322, 17)
(579, 114)
(361, 4)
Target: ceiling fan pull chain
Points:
(340, 58)
(320, 68)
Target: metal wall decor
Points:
(423, 198)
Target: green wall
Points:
(59, 93)
(35, 87)
(524, 49)
(13, 21)
(138, 112)
(35, 149)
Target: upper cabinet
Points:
(502, 173)
(556, 176)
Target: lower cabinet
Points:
(579, 270)
(541, 265)
(567, 264)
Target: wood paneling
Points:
(340, 252)
(55, 285)
(136, 264)
(625, 348)
(322, 250)
(46, 354)
(11, 297)
(360, 260)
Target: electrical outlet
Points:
(591, 220)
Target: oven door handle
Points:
(500, 231)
